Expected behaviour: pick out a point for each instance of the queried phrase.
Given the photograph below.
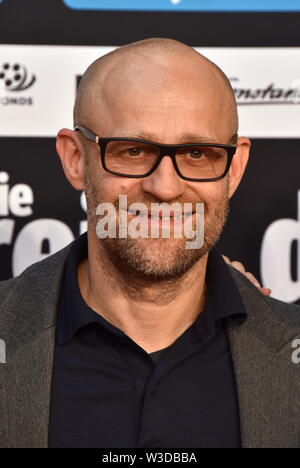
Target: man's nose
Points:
(164, 183)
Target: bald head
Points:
(150, 68)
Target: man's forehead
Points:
(146, 95)
(163, 117)
(158, 118)
(143, 73)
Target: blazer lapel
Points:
(29, 333)
(267, 391)
(27, 375)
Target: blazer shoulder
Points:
(39, 272)
(288, 314)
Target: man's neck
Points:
(154, 318)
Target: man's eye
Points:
(134, 151)
(196, 154)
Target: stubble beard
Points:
(149, 261)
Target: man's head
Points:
(164, 91)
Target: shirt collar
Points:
(73, 312)
(223, 299)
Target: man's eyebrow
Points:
(185, 138)
(194, 137)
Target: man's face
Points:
(168, 106)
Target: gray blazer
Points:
(268, 381)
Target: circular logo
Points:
(15, 77)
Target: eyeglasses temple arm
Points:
(87, 133)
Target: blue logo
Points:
(185, 5)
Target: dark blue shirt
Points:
(108, 392)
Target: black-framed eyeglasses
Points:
(132, 157)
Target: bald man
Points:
(134, 336)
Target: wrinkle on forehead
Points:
(151, 68)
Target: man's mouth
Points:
(160, 215)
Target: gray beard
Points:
(139, 264)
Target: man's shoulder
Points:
(287, 314)
(35, 276)
(31, 298)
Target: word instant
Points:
(150, 457)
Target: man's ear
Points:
(239, 163)
(71, 154)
